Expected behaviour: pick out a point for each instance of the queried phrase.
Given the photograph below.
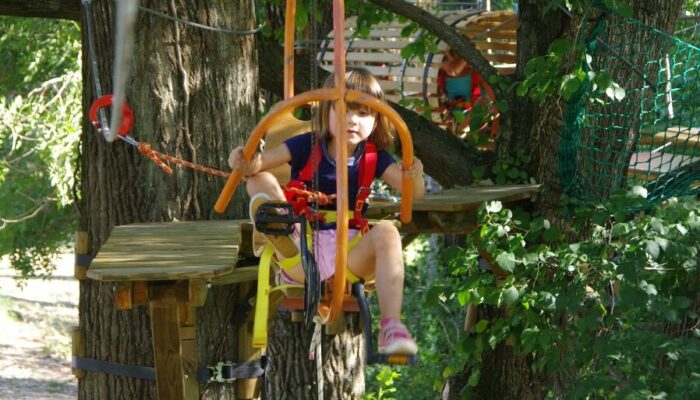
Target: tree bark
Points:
(194, 96)
(294, 376)
(55, 9)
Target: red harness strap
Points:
(297, 194)
(368, 167)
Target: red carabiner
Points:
(127, 114)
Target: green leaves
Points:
(511, 296)
(577, 307)
(506, 261)
(39, 132)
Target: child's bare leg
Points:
(264, 182)
(381, 246)
(379, 253)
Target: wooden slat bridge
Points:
(169, 265)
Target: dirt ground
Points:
(35, 345)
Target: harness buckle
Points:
(218, 372)
(362, 194)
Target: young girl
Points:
(376, 254)
(459, 89)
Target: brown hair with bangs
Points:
(363, 81)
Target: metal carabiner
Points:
(127, 115)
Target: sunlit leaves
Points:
(39, 130)
(580, 306)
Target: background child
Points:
(375, 254)
(459, 90)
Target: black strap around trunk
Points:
(222, 372)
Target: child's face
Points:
(453, 63)
(360, 123)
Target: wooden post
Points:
(188, 342)
(123, 296)
(81, 247)
(245, 388)
(338, 326)
(173, 345)
(78, 349)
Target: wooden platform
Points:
(168, 251)
(210, 249)
(168, 266)
(452, 211)
(676, 136)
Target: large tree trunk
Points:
(194, 96)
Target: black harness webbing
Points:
(222, 372)
(84, 260)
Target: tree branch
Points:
(54, 9)
(444, 32)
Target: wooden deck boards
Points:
(209, 249)
(459, 199)
(168, 251)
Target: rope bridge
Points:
(651, 136)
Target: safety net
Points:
(649, 135)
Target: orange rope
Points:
(320, 198)
(158, 158)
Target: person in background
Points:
(460, 88)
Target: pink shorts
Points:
(324, 249)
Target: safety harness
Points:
(462, 103)
(299, 196)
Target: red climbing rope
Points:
(144, 148)
(157, 157)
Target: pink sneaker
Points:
(395, 339)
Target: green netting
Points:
(651, 137)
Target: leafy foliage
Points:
(39, 132)
(616, 313)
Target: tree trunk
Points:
(293, 375)
(194, 96)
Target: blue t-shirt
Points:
(300, 147)
(458, 87)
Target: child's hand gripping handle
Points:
(227, 192)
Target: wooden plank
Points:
(658, 163)
(167, 251)
(369, 57)
(188, 347)
(510, 35)
(505, 46)
(140, 292)
(81, 248)
(459, 199)
(78, 346)
(393, 70)
(377, 44)
(501, 58)
(158, 273)
(123, 297)
(170, 373)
